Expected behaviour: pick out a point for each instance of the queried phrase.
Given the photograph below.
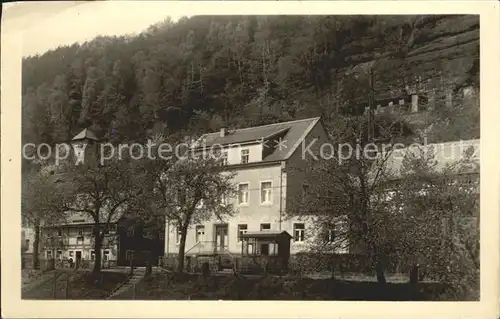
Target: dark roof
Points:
(293, 133)
(265, 234)
(85, 134)
(79, 218)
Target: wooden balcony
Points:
(56, 241)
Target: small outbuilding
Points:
(270, 249)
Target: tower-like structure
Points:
(85, 146)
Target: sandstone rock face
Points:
(427, 66)
(422, 53)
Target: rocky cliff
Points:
(206, 72)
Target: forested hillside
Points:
(206, 72)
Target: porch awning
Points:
(269, 234)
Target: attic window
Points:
(78, 220)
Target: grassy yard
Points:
(185, 286)
(30, 276)
(81, 285)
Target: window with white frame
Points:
(129, 255)
(245, 156)
(299, 232)
(80, 231)
(49, 254)
(130, 231)
(265, 226)
(92, 255)
(250, 249)
(106, 255)
(243, 194)
(59, 254)
(200, 233)
(266, 192)
(242, 228)
(273, 249)
(224, 157)
(329, 234)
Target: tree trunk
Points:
(36, 244)
(379, 269)
(97, 250)
(414, 274)
(182, 246)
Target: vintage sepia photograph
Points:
(325, 157)
(255, 157)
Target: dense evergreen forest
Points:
(205, 72)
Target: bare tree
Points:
(190, 190)
(345, 185)
(101, 192)
(437, 220)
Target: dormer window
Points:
(224, 157)
(245, 155)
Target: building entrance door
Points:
(78, 258)
(264, 249)
(221, 239)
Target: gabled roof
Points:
(292, 132)
(85, 134)
(80, 218)
(443, 155)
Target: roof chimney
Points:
(223, 132)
